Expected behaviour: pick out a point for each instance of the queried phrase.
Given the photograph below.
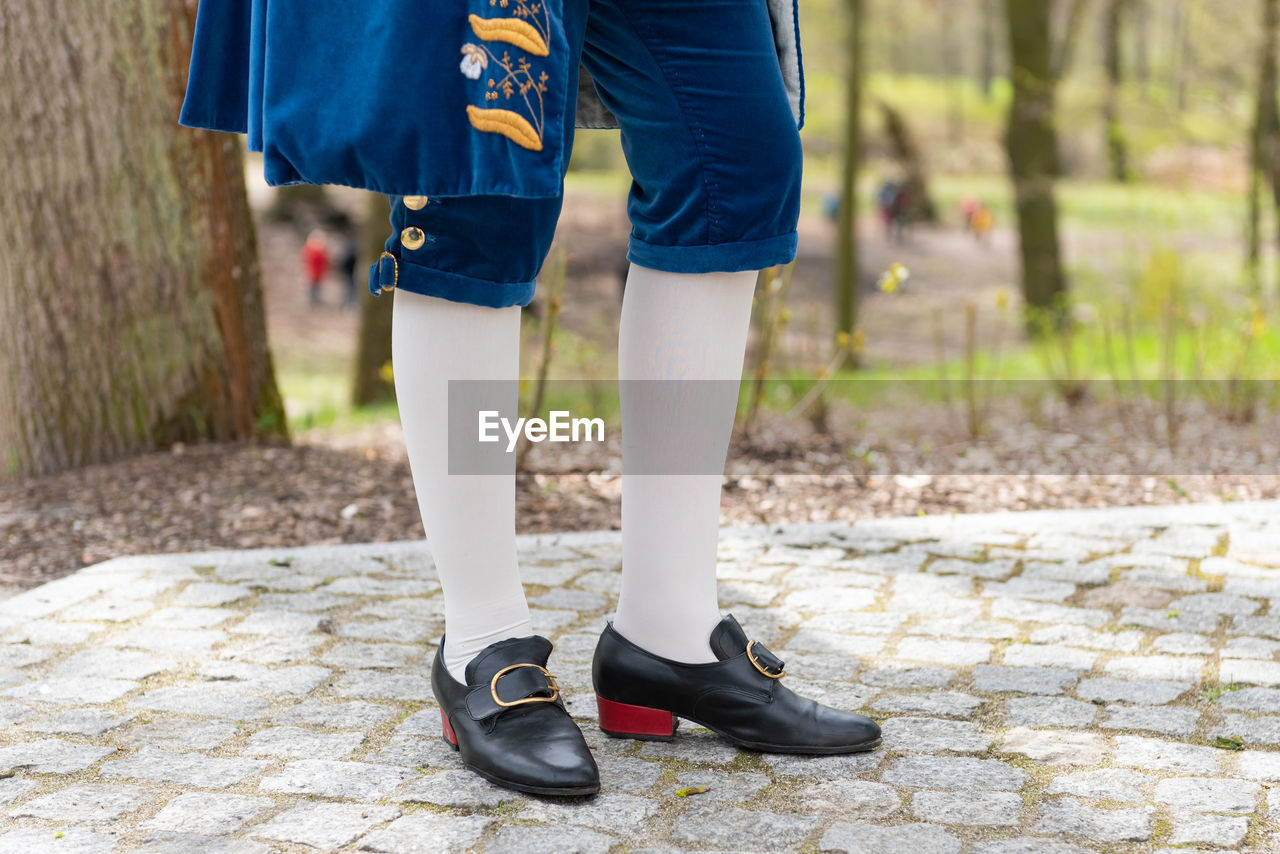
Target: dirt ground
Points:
(356, 486)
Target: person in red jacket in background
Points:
(315, 263)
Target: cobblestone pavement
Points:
(1058, 682)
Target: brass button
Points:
(413, 237)
(415, 203)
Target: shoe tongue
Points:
(728, 639)
(533, 649)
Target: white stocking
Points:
(469, 519)
(692, 327)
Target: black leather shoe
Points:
(510, 723)
(740, 697)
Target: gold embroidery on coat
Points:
(530, 33)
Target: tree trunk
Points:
(1182, 51)
(1141, 13)
(1113, 61)
(952, 71)
(1031, 140)
(847, 238)
(373, 349)
(1266, 135)
(988, 16)
(907, 153)
(130, 292)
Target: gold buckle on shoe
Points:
(758, 666)
(493, 687)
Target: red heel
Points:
(449, 734)
(622, 720)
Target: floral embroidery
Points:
(529, 29)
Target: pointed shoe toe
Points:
(509, 723)
(740, 697)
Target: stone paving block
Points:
(189, 618)
(429, 833)
(1048, 712)
(859, 646)
(954, 772)
(957, 653)
(1153, 754)
(1028, 845)
(1026, 611)
(49, 756)
(74, 840)
(88, 803)
(112, 664)
(692, 745)
(281, 623)
(324, 826)
(638, 776)
(204, 699)
(268, 650)
(1070, 816)
(1217, 603)
(72, 690)
(399, 630)
(960, 627)
(304, 602)
(860, 623)
(1022, 587)
(1112, 784)
(860, 838)
(336, 779)
(947, 703)
(1056, 747)
(1171, 668)
(1249, 672)
(173, 642)
(991, 569)
(78, 722)
(1165, 620)
(12, 788)
(107, 610)
(968, 809)
(1184, 643)
(1165, 719)
(928, 734)
(462, 789)
(1263, 729)
(1072, 572)
(1208, 794)
(1254, 700)
(1247, 647)
(209, 814)
(411, 751)
(349, 655)
(350, 715)
(15, 655)
(828, 600)
(52, 633)
(823, 767)
(295, 743)
(1267, 627)
(1258, 765)
(251, 678)
(1222, 831)
(366, 585)
(1174, 579)
(1145, 691)
(534, 840)
(178, 734)
(169, 842)
(1023, 680)
(815, 665)
(707, 823)
(608, 811)
(1044, 655)
(904, 676)
(850, 799)
(1120, 641)
(191, 769)
(210, 594)
(372, 684)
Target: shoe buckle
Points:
(493, 687)
(762, 668)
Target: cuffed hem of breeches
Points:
(717, 257)
(455, 287)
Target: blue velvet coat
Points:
(383, 96)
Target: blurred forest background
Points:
(1055, 283)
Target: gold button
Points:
(413, 237)
(415, 203)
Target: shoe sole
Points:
(511, 784)
(651, 724)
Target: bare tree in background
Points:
(1031, 139)
(846, 284)
(372, 382)
(1264, 142)
(1113, 26)
(130, 292)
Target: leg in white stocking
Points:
(677, 326)
(469, 518)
